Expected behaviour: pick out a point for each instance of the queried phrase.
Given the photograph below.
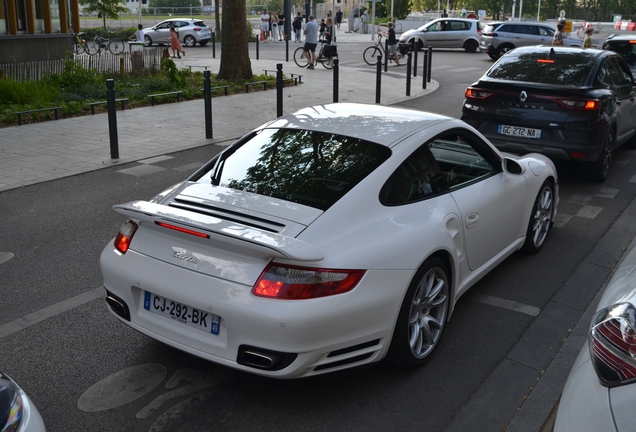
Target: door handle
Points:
(471, 220)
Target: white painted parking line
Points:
(155, 159)
(506, 304)
(141, 170)
(561, 220)
(49, 312)
(580, 199)
(607, 193)
(589, 212)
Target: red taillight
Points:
(613, 344)
(490, 34)
(545, 61)
(632, 42)
(580, 105)
(183, 230)
(197, 29)
(286, 282)
(577, 155)
(472, 93)
(125, 235)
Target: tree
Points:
(401, 8)
(175, 3)
(104, 8)
(235, 59)
(217, 18)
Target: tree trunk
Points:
(217, 18)
(235, 59)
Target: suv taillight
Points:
(612, 342)
(491, 34)
(473, 93)
(125, 235)
(285, 282)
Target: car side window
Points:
(530, 30)
(463, 158)
(546, 31)
(181, 24)
(507, 28)
(608, 76)
(162, 26)
(456, 25)
(623, 72)
(417, 178)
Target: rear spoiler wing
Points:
(275, 245)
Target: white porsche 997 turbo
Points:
(330, 238)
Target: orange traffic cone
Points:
(262, 35)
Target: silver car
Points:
(497, 38)
(190, 31)
(446, 33)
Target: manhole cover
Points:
(5, 256)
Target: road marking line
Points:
(607, 193)
(506, 304)
(50, 311)
(589, 212)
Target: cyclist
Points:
(311, 40)
(392, 42)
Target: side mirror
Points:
(511, 166)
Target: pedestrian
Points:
(339, 15)
(297, 25)
(274, 20)
(392, 43)
(558, 36)
(311, 40)
(330, 28)
(322, 28)
(464, 12)
(444, 14)
(281, 26)
(265, 24)
(587, 41)
(175, 44)
(139, 34)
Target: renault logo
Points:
(523, 96)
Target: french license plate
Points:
(193, 317)
(519, 131)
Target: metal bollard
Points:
(279, 90)
(408, 74)
(430, 63)
(257, 39)
(424, 69)
(207, 101)
(213, 45)
(286, 48)
(112, 118)
(386, 57)
(378, 80)
(417, 48)
(335, 80)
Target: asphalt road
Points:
(87, 372)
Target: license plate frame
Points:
(518, 131)
(188, 315)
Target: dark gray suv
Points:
(497, 38)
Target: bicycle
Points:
(370, 55)
(114, 45)
(302, 61)
(79, 44)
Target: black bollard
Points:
(335, 80)
(386, 57)
(257, 39)
(207, 101)
(279, 90)
(378, 80)
(408, 74)
(213, 45)
(430, 63)
(286, 48)
(112, 118)
(424, 69)
(417, 48)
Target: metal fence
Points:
(101, 63)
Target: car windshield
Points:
(307, 167)
(564, 68)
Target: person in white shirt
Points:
(139, 34)
(265, 24)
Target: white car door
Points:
(491, 202)
(435, 34)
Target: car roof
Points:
(375, 123)
(524, 23)
(620, 37)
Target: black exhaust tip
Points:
(264, 359)
(117, 305)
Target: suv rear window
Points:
(567, 68)
(307, 167)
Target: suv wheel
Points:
(505, 49)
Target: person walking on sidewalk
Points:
(587, 41)
(274, 20)
(297, 25)
(311, 40)
(339, 17)
(175, 44)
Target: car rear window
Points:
(627, 49)
(307, 167)
(200, 24)
(563, 68)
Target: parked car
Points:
(497, 38)
(446, 33)
(326, 239)
(625, 45)
(190, 31)
(568, 103)
(600, 392)
(17, 412)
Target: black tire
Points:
(540, 222)
(189, 41)
(370, 55)
(422, 316)
(471, 45)
(299, 58)
(493, 56)
(203, 43)
(597, 171)
(147, 41)
(116, 46)
(505, 49)
(93, 48)
(328, 62)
